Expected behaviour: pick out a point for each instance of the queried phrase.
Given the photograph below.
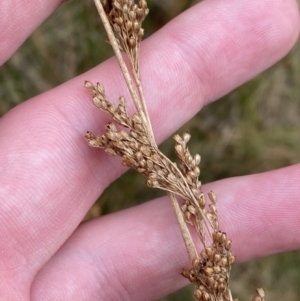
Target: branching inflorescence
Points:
(136, 146)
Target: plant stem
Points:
(188, 241)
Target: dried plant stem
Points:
(143, 103)
(188, 241)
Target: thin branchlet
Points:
(136, 146)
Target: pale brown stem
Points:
(188, 241)
(143, 104)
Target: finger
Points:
(137, 254)
(20, 19)
(49, 174)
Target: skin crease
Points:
(50, 177)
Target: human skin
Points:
(49, 177)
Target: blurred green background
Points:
(255, 126)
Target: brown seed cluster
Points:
(194, 207)
(126, 17)
(210, 274)
(136, 151)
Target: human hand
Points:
(50, 177)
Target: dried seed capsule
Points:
(187, 158)
(111, 127)
(217, 237)
(131, 42)
(142, 163)
(156, 158)
(136, 26)
(197, 159)
(206, 296)
(197, 172)
(185, 273)
(110, 151)
(187, 216)
(186, 137)
(223, 261)
(152, 183)
(198, 294)
(231, 259)
(209, 251)
(212, 197)
(145, 150)
(217, 269)
(136, 118)
(204, 254)
(213, 209)
(97, 101)
(228, 244)
(132, 15)
(117, 28)
(178, 149)
(100, 88)
(201, 201)
(144, 140)
(178, 139)
(260, 292)
(196, 193)
(192, 175)
(221, 280)
(208, 271)
(191, 209)
(221, 287)
(196, 262)
(150, 165)
(141, 170)
(122, 101)
(88, 85)
(210, 281)
(112, 108)
(223, 238)
(143, 4)
(215, 224)
(189, 180)
(93, 143)
(139, 156)
(184, 208)
(134, 145)
(120, 145)
(140, 14)
(125, 9)
(217, 257)
(119, 21)
(129, 25)
(104, 139)
(139, 127)
(171, 177)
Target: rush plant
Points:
(132, 139)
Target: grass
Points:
(256, 127)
